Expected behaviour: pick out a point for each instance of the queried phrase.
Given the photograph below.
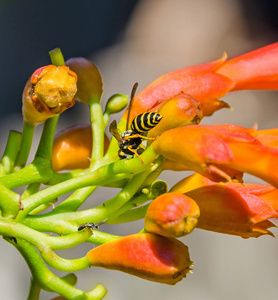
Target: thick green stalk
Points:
(98, 177)
(34, 291)
(11, 151)
(97, 130)
(9, 202)
(45, 146)
(45, 278)
(26, 142)
(20, 231)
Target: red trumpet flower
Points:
(209, 82)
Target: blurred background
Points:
(133, 41)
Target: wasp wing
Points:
(114, 131)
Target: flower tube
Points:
(49, 91)
(146, 255)
(232, 208)
(209, 82)
(215, 150)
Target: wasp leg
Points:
(137, 135)
(134, 151)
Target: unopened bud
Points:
(48, 92)
(172, 215)
(146, 255)
(116, 103)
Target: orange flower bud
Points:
(89, 85)
(179, 111)
(231, 208)
(146, 255)
(48, 92)
(172, 215)
(214, 150)
(72, 148)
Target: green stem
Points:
(9, 202)
(45, 146)
(31, 189)
(98, 177)
(45, 278)
(57, 224)
(34, 291)
(11, 151)
(56, 56)
(130, 215)
(120, 216)
(76, 199)
(97, 130)
(38, 171)
(20, 231)
(97, 293)
(62, 264)
(26, 142)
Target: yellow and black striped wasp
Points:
(129, 141)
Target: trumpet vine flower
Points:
(231, 208)
(214, 150)
(209, 82)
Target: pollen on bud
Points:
(89, 83)
(116, 103)
(146, 255)
(172, 215)
(49, 91)
(72, 148)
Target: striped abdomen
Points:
(144, 122)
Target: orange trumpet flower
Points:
(231, 208)
(214, 150)
(209, 82)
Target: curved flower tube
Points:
(72, 148)
(211, 81)
(231, 208)
(214, 150)
(146, 255)
(268, 137)
(49, 91)
(89, 83)
(172, 215)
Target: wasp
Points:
(129, 141)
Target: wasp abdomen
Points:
(144, 122)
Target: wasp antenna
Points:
(133, 91)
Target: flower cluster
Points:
(164, 134)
